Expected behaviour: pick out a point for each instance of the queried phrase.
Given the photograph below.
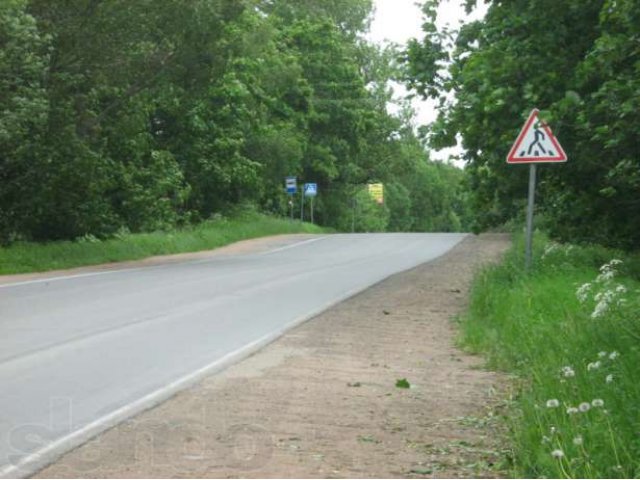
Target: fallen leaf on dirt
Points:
(403, 383)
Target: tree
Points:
(24, 105)
(581, 72)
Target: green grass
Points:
(534, 326)
(35, 257)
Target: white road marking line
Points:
(71, 277)
(135, 269)
(295, 245)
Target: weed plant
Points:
(570, 331)
(89, 250)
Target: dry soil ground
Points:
(322, 400)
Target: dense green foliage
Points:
(22, 257)
(578, 61)
(570, 332)
(145, 115)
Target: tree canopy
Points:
(578, 61)
(144, 115)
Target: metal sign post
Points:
(535, 144)
(310, 190)
(530, 205)
(291, 187)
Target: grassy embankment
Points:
(34, 257)
(570, 332)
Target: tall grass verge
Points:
(32, 257)
(570, 331)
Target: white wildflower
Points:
(577, 440)
(583, 292)
(600, 310)
(597, 403)
(594, 365)
(613, 355)
(568, 372)
(605, 276)
(572, 410)
(557, 453)
(608, 271)
(609, 378)
(553, 403)
(550, 248)
(584, 407)
(604, 299)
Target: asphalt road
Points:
(80, 353)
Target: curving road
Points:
(80, 353)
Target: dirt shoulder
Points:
(322, 402)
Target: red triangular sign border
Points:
(560, 157)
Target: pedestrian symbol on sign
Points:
(537, 145)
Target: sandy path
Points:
(321, 401)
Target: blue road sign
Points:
(291, 185)
(310, 189)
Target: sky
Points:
(398, 21)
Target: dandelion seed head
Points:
(572, 410)
(578, 440)
(609, 378)
(568, 372)
(597, 403)
(613, 355)
(553, 403)
(557, 453)
(584, 407)
(602, 354)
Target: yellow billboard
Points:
(376, 190)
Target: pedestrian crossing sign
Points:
(536, 143)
